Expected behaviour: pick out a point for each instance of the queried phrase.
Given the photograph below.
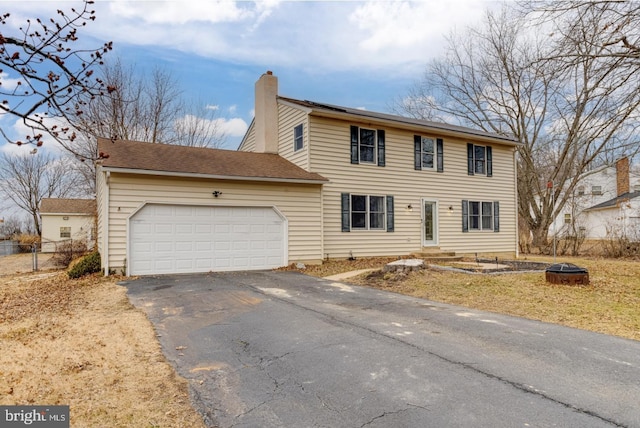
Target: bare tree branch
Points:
(43, 77)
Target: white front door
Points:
(429, 223)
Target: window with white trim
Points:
(479, 160)
(567, 218)
(298, 138)
(367, 146)
(367, 212)
(65, 232)
(427, 152)
(596, 190)
(480, 215)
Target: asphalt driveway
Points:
(281, 349)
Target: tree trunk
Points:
(540, 239)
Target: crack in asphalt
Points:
(466, 365)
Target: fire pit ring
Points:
(567, 273)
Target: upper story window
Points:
(367, 146)
(567, 218)
(636, 187)
(479, 160)
(596, 190)
(428, 153)
(298, 138)
(580, 190)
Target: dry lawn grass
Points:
(81, 343)
(610, 304)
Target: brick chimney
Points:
(622, 175)
(266, 111)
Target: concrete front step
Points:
(437, 255)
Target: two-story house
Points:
(310, 181)
(604, 205)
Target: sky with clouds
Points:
(361, 54)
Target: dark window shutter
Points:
(390, 214)
(496, 216)
(417, 152)
(489, 162)
(465, 215)
(346, 212)
(440, 148)
(380, 147)
(354, 144)
(469, 158)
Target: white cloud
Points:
(8, 84)
(234, 127)
(178, 12)
(212, 107)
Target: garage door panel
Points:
(176, 239)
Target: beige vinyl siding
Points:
(288, 119)
(102, 210)
(300, 204)
(80, 226)
(248, 144)
(330, 157)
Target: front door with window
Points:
(429, 223)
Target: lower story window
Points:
(65, 232)
(367, 212)
(480, 215)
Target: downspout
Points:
(515, 186)
(105, 241)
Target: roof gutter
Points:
(213, 176)
(408, 124)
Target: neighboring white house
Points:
(605, 204)
(309, 181)
(64, 220)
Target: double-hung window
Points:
(367, 212)
(65, 232)
(428, 153)
(367, 146)
(298, 138)
(479, 160)
(480, 215)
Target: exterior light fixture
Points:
(450, 207)
(216, 193)
(409, 207)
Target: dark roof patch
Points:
(612, 203)
(67, 206)
(137, 155)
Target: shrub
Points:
(87, 265)
(69, 250)
(26, 242)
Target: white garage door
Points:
(184, 239)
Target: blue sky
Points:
(360, 54)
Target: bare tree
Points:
(199, 126)
(143, 108)
(44, 82)
(26, 179)
(502, 78)
(10, 226)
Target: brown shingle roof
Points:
(401, 120)
(196, 160)
(67, 206)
